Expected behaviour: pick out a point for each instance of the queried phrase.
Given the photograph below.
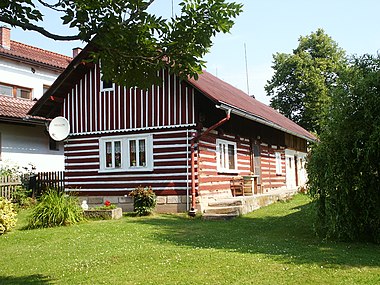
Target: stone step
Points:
(225, 202)
(218, 217)
(234, 210)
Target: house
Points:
(188, 140)
(26, 72)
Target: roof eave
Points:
(245, 114)
(33, 62)
(25, 120)
(60, 80)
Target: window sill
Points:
(125, 170)
(226, 171)
(139, 169)
(107, 89)
(112, 170)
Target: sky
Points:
(264, 28)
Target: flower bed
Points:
(103, 214)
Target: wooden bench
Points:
(237, 186)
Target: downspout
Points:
(194, 141)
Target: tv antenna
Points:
(246, 67)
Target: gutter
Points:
(33, 62)
(242, 113)
(194, 141)
(23, 120)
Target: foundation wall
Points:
(165, 204)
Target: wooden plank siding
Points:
(170, 175)
(90, 110)
(166, 111)
(169, 113)
(269, 178)
(210, 180)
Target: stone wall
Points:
(165, 204)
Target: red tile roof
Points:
(225, 94)
(40, 56)
(217, 90)
(15, 108)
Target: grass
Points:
(274, 245)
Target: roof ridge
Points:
(41, 49)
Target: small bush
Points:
(23, 199)
(7, 215)
(55, 209)
(144, 200)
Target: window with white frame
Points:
(126, 153)
(226, 156)
(106, 85)
(278, 163)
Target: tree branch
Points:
(42, 31)
(52, 6)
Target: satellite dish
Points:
(59, 128)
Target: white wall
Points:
(21, 145)
(290, 156)
(21, 74)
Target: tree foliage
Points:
(344, 168)
(133, 44)
(302, 80)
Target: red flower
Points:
(107, 203)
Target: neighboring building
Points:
(26, 72)
(184, 138)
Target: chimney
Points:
(5, 37)
(76, 51)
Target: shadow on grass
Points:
(36, 279)
(288, 238)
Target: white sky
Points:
(266, 27)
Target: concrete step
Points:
(225, 202)
(218, 217)
(234, 210)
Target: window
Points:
(23, 93)
(15, 91)
(6, 90)
(45, 88)
(53, 145)
(113, 154)
(137, 153)
(278, 163)
(126, 153)
(226, 156)
(106, 85)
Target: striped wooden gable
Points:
(91, 110)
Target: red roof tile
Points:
(222, 92)
(30, 53)
(15, 108)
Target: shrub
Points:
(144, 200)
(23, 199)
(7, 215)
(55, 209)
(343, 168)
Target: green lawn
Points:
(274, 245)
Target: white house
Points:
(26, 72)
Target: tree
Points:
(344, 168)
(131, 43)
(302, 80)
